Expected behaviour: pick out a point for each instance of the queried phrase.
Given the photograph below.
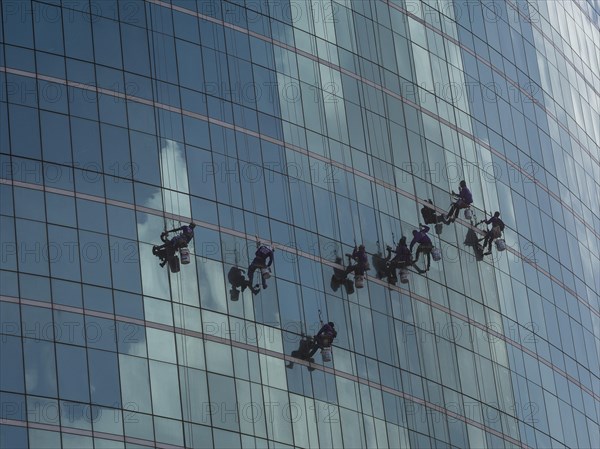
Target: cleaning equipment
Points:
(359, 281)
(500, 244)
(184, 254)
(468, 213)
(436, 254)
(404, 275)
(326, 354)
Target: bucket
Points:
(185, 255)
(468, 214)
(439, 228)
(500, 245)
(359, 281)
(266, 273)
(335, 283)
(349, 286)
(436, 254)
(326, 355)
(404, 276)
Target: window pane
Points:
(95, 256)
(104, 378)
(62, 253)
(40, 367)
(107, 42)
(13, 437)
(72, 373)
(165, 389)
(135, 384)
(32, 247)
(24, 131)
(224, 388)
(11, 369)
(8, 261)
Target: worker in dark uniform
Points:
(324, 338)
(425, 244)
(362, 261)
(494, 233)
(303, 351)
(237, 280)
(166, 251)
(263, 258)
(464, 198)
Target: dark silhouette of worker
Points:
(402, 260)
(425, 246)
(464, 199)
(303, 352)
(383, 267)
(166, 251)
(471, 239)
(340, 277)
(430, 216)
(362, 264)
(323, 339)
(403, 255)
(263, 258)
(494, 233)
(237, 280)
(362, 261)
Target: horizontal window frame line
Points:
(326, 262)
(585, 13)
(521, 13)
(295, 251)
(240, 234)
(359, 77)
(211, 120)
(368, 177)
(502, 74)
(481, 326)
(289, 358)
(87, 433)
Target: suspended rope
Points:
(173, 147)
(246, 142)
(346, 174)
(341, 140)
(389, 200)
(167, 178)
(156, 115)
(327, 151)
(305, 213)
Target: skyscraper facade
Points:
(313, 127)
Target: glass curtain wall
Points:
(314, 127)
